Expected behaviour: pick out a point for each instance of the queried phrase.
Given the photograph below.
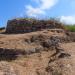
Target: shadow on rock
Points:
(10, 54)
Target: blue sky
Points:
(64, 9)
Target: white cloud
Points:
(47, 4)
(43, 5)
(68, 19)
(34, 12)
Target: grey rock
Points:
(47, 43)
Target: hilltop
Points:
(25, 25)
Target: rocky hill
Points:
(44, 48)
(45, 52)
(30, 25)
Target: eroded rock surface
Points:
(38, 53)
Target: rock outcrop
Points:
(30, 25)
(46, 52)
(13, 46)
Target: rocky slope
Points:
(46, 52)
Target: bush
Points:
(70, 28)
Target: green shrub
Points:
(70, 28)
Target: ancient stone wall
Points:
(30, 25)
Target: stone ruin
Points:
(31, 25)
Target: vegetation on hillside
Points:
(70, 28)
(26, 21)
